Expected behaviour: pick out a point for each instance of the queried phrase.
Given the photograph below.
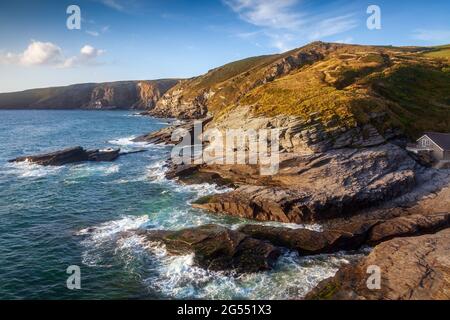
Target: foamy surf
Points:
(98, 239)
(178, 277)
(30, 170)
(85, 170)
(156, 173)
(130, 143)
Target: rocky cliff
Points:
(113, 95)
(338, 86)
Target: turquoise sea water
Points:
(54, 217)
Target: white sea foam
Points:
(156, 172)
(97, 238)
(128, 141)
(88, 169)
(30, 170)
(178, 277)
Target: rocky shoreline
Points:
(376, 196)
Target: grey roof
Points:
(441, 139)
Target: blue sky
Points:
(137, 39)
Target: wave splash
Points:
(178, 277)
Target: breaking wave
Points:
(178, 277)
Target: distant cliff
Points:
(111, 95)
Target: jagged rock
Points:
(164, 136)
(351, 236)
(350, 180)
(218, 248)
(414, 268)
(408, 226)
(308, 242)
(70, 155)
(424, 158)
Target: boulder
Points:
(412, 268)
(218, 248)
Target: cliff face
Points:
(114, 95)
(333, 86)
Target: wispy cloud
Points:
(286, 22)
(125, 6)
(49, 54)
(114, 4)
(432, 35)
(267, 13)
(333, 26)
(95, 33)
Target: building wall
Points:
(426, 142)
(447, 155)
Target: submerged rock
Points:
(70, 155)
(218, 248)
(413, 268)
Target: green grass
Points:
(439, 52)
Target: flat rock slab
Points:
(70, 155)
(218, 248)
(412, 268)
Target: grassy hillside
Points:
(339, 83)
(439, 52)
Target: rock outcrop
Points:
(166, 135)
(217, 248)
(414, 268)
(317, 187)
(351, 236)
(71, 155)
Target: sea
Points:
(84, 215)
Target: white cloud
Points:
(95, 33)
(49, 54)
(37, 53)
(267, 13)
(432, 35)
(286, 24)
(332, 26)
(87, 56)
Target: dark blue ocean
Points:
(55, 217)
